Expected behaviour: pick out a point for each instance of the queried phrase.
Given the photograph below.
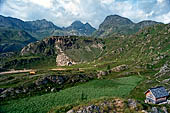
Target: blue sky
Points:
(64, 12)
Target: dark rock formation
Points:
(49, 83)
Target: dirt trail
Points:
(15, 71)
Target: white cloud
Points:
(44, 3)
(64, 12)
(164, 18)
(160, 1)
(107, 1)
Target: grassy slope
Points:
(15, 40)
(138, 50)
(92, 90)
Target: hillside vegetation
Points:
(14, 40)
(118, 68)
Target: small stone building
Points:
(156, 95)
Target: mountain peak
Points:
(87, 24)
(77, 23)
(78, 27)
(120, 25)
(116, 19)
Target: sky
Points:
(64, 12)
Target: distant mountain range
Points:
(80, 29)
(15, 33)
(115, 24)
(43, 28)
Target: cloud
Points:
(165, 18)
(43, 3)
(64, 12)
(160, 1)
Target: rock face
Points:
(63, 60)
(51, 46)
(45, 47)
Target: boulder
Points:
(165, 81)
(57, 79)
(165, 69)
(2, 89)
(102, 73)
(132, 103)
(3, 96)
(42, 81)
(155, 110)
(9, 90)
(70, 111)
(165, 110)
(89, 109)
(17, 91)
(120, 68)
(53, 89)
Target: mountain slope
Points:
(66, 48)
(115, 24)
(38, 28)
(149, 45)
(14, 40)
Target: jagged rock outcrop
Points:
(164, 70)
(48, 83)
(115, 105)
(67, 49)
(120, 68)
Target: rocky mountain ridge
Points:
(43, 28)
(66, 48)
(78, 28)
(115, 24)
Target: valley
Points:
(92, 71)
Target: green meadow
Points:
(120, 87)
